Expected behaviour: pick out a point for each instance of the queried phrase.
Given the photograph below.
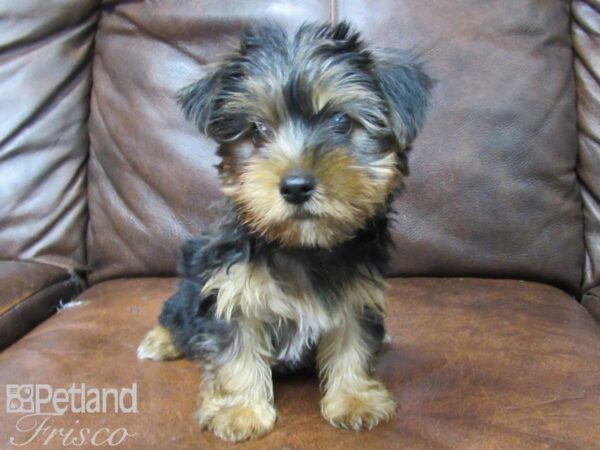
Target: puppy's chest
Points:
(283, 299)
(281, 303)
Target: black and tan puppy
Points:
(313, 131)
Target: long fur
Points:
(274, 286)
(323, 274)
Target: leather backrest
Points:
(492, 190)
(46, 50)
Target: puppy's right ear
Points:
(197, 100)
(407, 90)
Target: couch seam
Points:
(578, 181)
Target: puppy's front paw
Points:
(158, 345)
(359, 410)
(237, 423)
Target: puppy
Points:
(313, 132)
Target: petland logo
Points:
(41, 402)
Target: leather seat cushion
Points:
(473, 364)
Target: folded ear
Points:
(197, 100)
(203, 101)
(407, 91)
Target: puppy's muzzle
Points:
(297, 186)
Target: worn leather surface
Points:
(473, 364)
(21, 279)
(586, 43)
(492, 191)
(34, 309)
(45, 76)
(29, 293)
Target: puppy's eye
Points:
(260, 133)
(342, 123)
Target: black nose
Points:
(297, 187)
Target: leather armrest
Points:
(29, 293)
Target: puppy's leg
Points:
(179, 314)
(353, 398)
(237, 388)
(158, 345)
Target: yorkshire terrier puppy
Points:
(313, 132)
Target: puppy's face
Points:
(313, 130)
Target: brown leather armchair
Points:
(497, 233)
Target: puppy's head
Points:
(313, 130)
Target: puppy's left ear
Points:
(197, 100)
(407, 91)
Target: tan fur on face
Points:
(333, 89)
(262, 96)
(347, 195)
(349, 192)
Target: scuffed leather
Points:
(20, 279)
(492, 192)
(472, 364)
(46, 50)
(586, 43)
(30, 311)
(29, 293)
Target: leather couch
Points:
(495, 281)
